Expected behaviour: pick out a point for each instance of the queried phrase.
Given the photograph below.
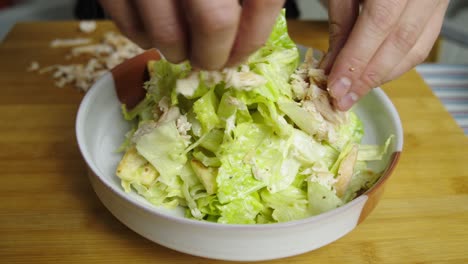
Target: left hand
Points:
(386, 39)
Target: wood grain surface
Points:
(50, 214)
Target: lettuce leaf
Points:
(241, 211)
(164, 148)
(321, 198)
(373, 152)
(235, 178)
(205, 111)
(288, 204)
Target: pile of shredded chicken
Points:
(112, 50)
(309, 86)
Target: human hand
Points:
(211, 34)
(380, 43)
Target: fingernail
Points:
(347, 101)
(340, 87)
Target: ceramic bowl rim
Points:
(155, 211)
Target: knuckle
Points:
(129, 29)
(357, 63)
(405, 37)
(382, 14)
(371, 79)
(167, 35)
(419, 55)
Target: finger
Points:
(165, 27)
(257, 20)
(213, 26)
(125, 16)
(398, 43)
(423, 46)
(376, 21)
(341, 18)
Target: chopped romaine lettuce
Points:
(205, 111)
(373, 152)
(288, 204)
(235, 177)
(144, 110)
(164, 148)
(321, 198)
(243, 210)
(236, 147)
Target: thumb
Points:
(341, 18)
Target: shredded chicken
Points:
(318, 77)
(58, 43)
(113, 50)
(309, 89)
(321, 101)
(165, 114)
(188, 85)
(310, 60)
(143, 129)
(326, 131)
(299, 84)
(321, 175)
(170, 115)
(87, 26)
(183, 126)
(34, 66)
(243, 80)
(93, 50)
(345, 171)
(213, 77)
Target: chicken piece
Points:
(165, 113)
(322, 101)
(34, 66)
(59, 43)
(183, 126)
(345, 171)
(243, 80)
(143, 129)
(321, 175)
(318, 77)
(94, 50)
(299, 84)
(187, 86)
(170, 115)
(87, 26)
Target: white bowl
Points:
(100, 129)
